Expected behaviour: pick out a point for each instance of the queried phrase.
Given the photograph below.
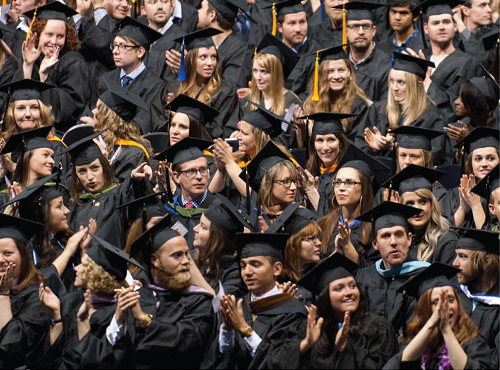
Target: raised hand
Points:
(289, 288)
(7, 278)
(84, 310)
(376, 140)
(142, 171)
(341, 338)
(457, 133)
(30, 52)
(48, 62)
(126, 298)
(50, 300)
(223, 152)
(313, 330)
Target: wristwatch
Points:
(248, 332)
(146, 320)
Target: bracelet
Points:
(54, 322)
(146, 321)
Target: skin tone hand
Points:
(234, 312)
(30, 54)
(50, 300)
(48, 63)
(457, 133)
(173, 59)
(6, 279)
(126, 298)
(301, 126)
(89, 120)
(223, 152)
(313, 330)
(343, 243)
(12, 16)
(83, 315)
(341, 338)
(142, 171)
(457, 17)
(170, 97)
(377, 141)
(263, 224)
(289, 288)
(244, 91)
(394, 196)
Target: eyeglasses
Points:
(349, 184)
(121, 47)
(355, 27)
(312, 239)
(286, 183)
(190, 174)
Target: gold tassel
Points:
(255, 52)
(31, 24)
(344, 26)
(315, 96)
(274, 20)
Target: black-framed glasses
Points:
(190, 174)
(121, 47)
(355, 26)
(349, 184)
(286, 183)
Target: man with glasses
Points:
(129, 50)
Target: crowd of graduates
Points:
(249, 184)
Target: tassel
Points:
(344, 26)
(31, 24)
(255, 52)
(392, 62)
(462, 159)
(421, 21)
(182, 67)
(323, 12)
(5, 107)
(58, 179)
(274, 20)
(315, 96)
(247, 189)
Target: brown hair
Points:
(265, 198)
(28, 274)
(71, 44)
(223, 22)
(218, 243)
(485, 264)
(98, 280)
(11, 128)
(196, 129)
(314, 163)
(134, 231)
(292, 269)
(468, 164)
(136, 44)
(426, 154)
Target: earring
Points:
(360, 201)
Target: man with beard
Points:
(381, 280)
(477, 257)
(174, 316)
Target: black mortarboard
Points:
(147, 206)
(478, 240)
(137, 31)
(333, 53)
(266, 158)
(261, 244)
(158, 140)
(359, 10)
(186, 150)
(438, 7)
(25, 141)
(412, 178)
(193, 108)
(77, 132)
(491, 39)
(436, 275)
(389, 214)
(480, 137)
(229, 8)
(274, 46)
(488, 184)
(122, 101)
(112, 259)
(264, 120)
(199, 39)
(413, 65)
(18, 228)
(54, 10)
(26, 89)
(335, 267)
(488, 87)
(411, 137)
(287, 7)
(83, 151)
(292, 220)
(226, 217)
(327, 123)
(375, 170)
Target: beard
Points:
(178, 280)
(469, 279)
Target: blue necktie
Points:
(242, 21)
(126, 80)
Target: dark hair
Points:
(326, 340)
(314, 163)
(218, 243)
(28, 274)
(108, 179)
(474, 101)
(402, 4)
(225, 24)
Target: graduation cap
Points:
(412, 178)
(266, 158)
(488, 184)
(186, 150)
(158, 140)
(55, 10)
(25, 141)
(122, 101)
(137, 31)
(438, 7)
(478, 240)
(147, 206)
(292, 220)
(83, 150)
(229, 8)
(413, 65)
(327, 123)
(436, 275)
(112, 259)
(264, 120)
(359, 10)
(274, 46)
(226, 217)
(412, 137)
(491, 40)
(335, 267)
(17, 228)
(376, 171)
(193, 108)
(480, 137)
(389, 214)
(26, 89)
(283, 8)
(488, 87)
(78, 132)
(261, 244)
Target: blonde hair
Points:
(98, 280)
(265, 198)
(11, 128)
(414, 105)
(343, 103)
(213, 84)
(260, 139)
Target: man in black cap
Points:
(129, 50)
(477, 257)
(266, 314)
(381, 280)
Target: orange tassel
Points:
(274, 20)
(344, 26)
(315, 96)
(255, 52)
(31, 24)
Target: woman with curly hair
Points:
(440, 335)
(62, 66)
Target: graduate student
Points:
(487, 189)
(478, 289)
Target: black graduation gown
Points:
(476, 350)
(375, 345)
(387, 45)
(445, 249)
(179, 332)
(20, 337)
(233, 53)
(486, 317)
(325, 193)
(189, 19)
(149, 87)
(452, 202)
(324, 35)
(372, 75)
(156, 61)
(130, 157)
(377, 116)
(382, 297)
